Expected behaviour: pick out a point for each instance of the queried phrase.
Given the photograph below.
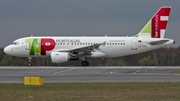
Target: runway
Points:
(90, 74)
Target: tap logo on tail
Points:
(156, 26)
(159, 22)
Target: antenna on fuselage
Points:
(31, 35)
(105, 35)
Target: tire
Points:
(85, 63)
(29, 64)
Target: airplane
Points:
(69, 48)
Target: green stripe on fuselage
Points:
(34, 45)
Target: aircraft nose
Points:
(7, 50)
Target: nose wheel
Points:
(29, 64)
(85, 63)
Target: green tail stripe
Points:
(146, 29)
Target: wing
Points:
(88, 48)
(85, 49)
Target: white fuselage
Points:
(112, 47)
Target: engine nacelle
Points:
(59, 57)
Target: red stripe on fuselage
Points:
(47, 44)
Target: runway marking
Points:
(177, 74)
(63, 71)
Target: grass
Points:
(176, 72)
(91, 92)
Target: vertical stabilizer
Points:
(156, 26)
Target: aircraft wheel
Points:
(85, 63)
(29, 64)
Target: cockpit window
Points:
(16, 43)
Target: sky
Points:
(22, 18)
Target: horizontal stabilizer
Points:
(158, 42)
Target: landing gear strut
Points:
(29, 62)
(85, 63)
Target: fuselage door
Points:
(28, 46)
(134, 44)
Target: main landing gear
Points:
(29, 62)
(85, 63)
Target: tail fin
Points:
(156, 26)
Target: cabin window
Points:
(16, 43)
(47, 43)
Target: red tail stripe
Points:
(157, 24)
(164, 11)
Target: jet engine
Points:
(59, 57)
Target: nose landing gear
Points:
(29, 62)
